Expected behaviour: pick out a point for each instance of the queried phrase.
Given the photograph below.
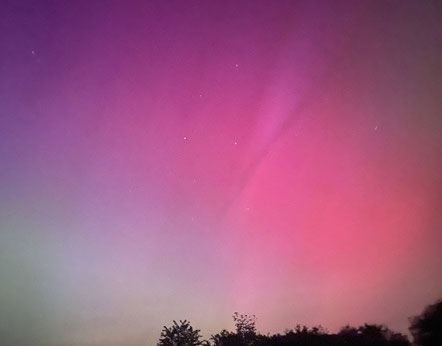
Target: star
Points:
(185, 138)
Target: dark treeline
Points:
(425, 328)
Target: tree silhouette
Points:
(245, 327)
(245, 332)
(426, 328)
(180, 334)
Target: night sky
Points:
(166, 160)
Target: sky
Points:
(166, 160)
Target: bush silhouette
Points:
(426, 328)
(372, 334)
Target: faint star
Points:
(236, 65)
(235, 143)
(185, 138)
(376, 127)
(33, 52)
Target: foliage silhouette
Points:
(372, 334)
(246, 335)
(426, 328)
(180, 334)
(245, 332)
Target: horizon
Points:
(167, 160)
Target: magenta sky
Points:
(187, 159)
